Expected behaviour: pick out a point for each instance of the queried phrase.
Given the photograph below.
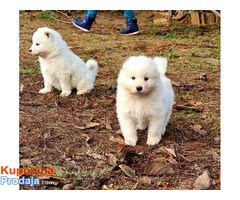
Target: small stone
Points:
(203, 182)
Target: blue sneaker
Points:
(132, 27)
(83, 24)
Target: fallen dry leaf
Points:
(87, 138)
(71, 163)
(196, 128)
(69, 186)
(216, 157)
(203, 182)
(88, 125)
(98, 156)
(127, 170)
(172, 160)
(162, 183)
(112, 159)
(110, 187)
(145, 180)
(195, 103)
(203, 132)
(136, 186)
(108, 125)
(22, 88)
(117, 140)
(25, 162)
(171, 151)
(157, 169)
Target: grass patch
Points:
(170, 36)
(194, 53)
(48, 15)
(29, 71)
(172, 54)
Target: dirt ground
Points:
(79, 136)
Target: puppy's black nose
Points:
(30, 50)
(139, 88)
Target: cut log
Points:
(195, 19)
(203, 23)
(210, 18)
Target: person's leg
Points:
(92, 13)
(85, 23)
(131, 21)
(129, 14)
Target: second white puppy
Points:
(60, 67)
(144, 98)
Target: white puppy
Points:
(60, 67)
(144, 98)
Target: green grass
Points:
(170, 36)
(172, 54)
(194, 53)
(47, 14)
(29, 71)
(82, 174)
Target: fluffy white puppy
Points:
(144, 98)
(60, 67)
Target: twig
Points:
(62, 13)
(59, 20)
(183, 107)
(30, 104)
(74, 47)
(177, 84)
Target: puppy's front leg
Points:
(128, 127)
(66, 86)
(155, 130)
(47, 87)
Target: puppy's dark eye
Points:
(133, 77)
(146, 78)
(37, 44)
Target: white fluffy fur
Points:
(152, 106)
(60, 67)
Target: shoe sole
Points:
(134, 33)
(83, 29)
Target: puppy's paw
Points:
(132, 141)
(44, 90)
(80, 92)
(153, 140)
(65, 93)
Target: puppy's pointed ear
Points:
(47, 34)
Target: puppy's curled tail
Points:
(92, 66)
(161, 63)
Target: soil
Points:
(79, 136)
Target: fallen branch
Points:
(31, 104)
(183, 107)
(59, 20)
(190, 85)
(62, 13)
